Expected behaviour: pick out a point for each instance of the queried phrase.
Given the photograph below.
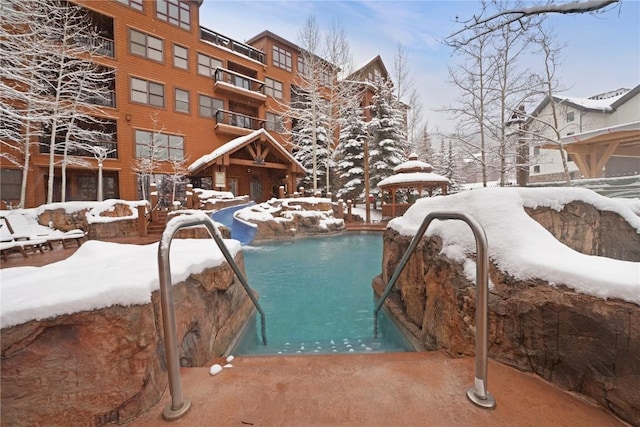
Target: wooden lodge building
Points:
(213, 101)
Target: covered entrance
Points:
(612, 151)
(255, 165)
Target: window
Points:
(134, 4)
(208, 107)
(571, 116)
(536, 151)
(325, 77)
(10, 183)
(145, 45)
(207, 65)
(175, 12)
(536, 169)
(303, 68)
(180, 57)
(273, 88)
(282, 58)
(182, 100)
(274, 123)
(159, 146)
(146, 92)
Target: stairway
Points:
(157, 227)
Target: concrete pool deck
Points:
(385, 389)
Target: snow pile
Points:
(520, 246)
(95, 214)
(205, 195)
(99, 274)
(93, 209)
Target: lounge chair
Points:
(23, 227)
(9, 243)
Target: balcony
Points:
(227, 43)
(233, 123)
(234, 83)
(99, 45)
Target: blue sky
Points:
(602, 52)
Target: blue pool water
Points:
(317, 297)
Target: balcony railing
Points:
(236, 123)
(237, 83)
(101, 45)
(241, 48)
(110, 147)
(105, 100)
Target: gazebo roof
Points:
(413, 173)
(413, 165)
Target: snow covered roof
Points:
(413, 178)
(236, 144)
(413, 165)
(520, 246)
(413, 171)
(584, 136)
(599, 103)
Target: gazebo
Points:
(411, 178)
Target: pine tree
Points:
(387, 135)
(450, 169)
(424, 149)
(349, 155)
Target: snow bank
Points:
(523, 248)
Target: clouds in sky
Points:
(602, 52)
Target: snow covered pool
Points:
(317, 297)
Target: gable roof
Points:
(377, 59)
(238, 143)
(606, 105)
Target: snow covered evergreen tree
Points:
(424, 149)
(450, 167)
(387, 138)
(349, 154)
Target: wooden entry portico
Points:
(254, 164)
(592, 150)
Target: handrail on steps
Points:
(180, 405)
(477, 394)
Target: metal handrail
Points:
(477, 394)
(179, 405)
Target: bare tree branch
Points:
(478, 26)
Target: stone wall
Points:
(580, 343)
(108, 365)
(590, 231)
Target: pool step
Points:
(337, 345)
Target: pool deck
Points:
(387, 389)
(390, 389)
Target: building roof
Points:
(238, 143)
(602, 103)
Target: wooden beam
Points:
(580, 161)
(604, 157)
(252, 163)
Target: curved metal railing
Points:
(179, 405)
(477, 394)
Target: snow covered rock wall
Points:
(108, 365)
(584, 342)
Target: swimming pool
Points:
(317, 297)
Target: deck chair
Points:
(9, 243)
(25, 227)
